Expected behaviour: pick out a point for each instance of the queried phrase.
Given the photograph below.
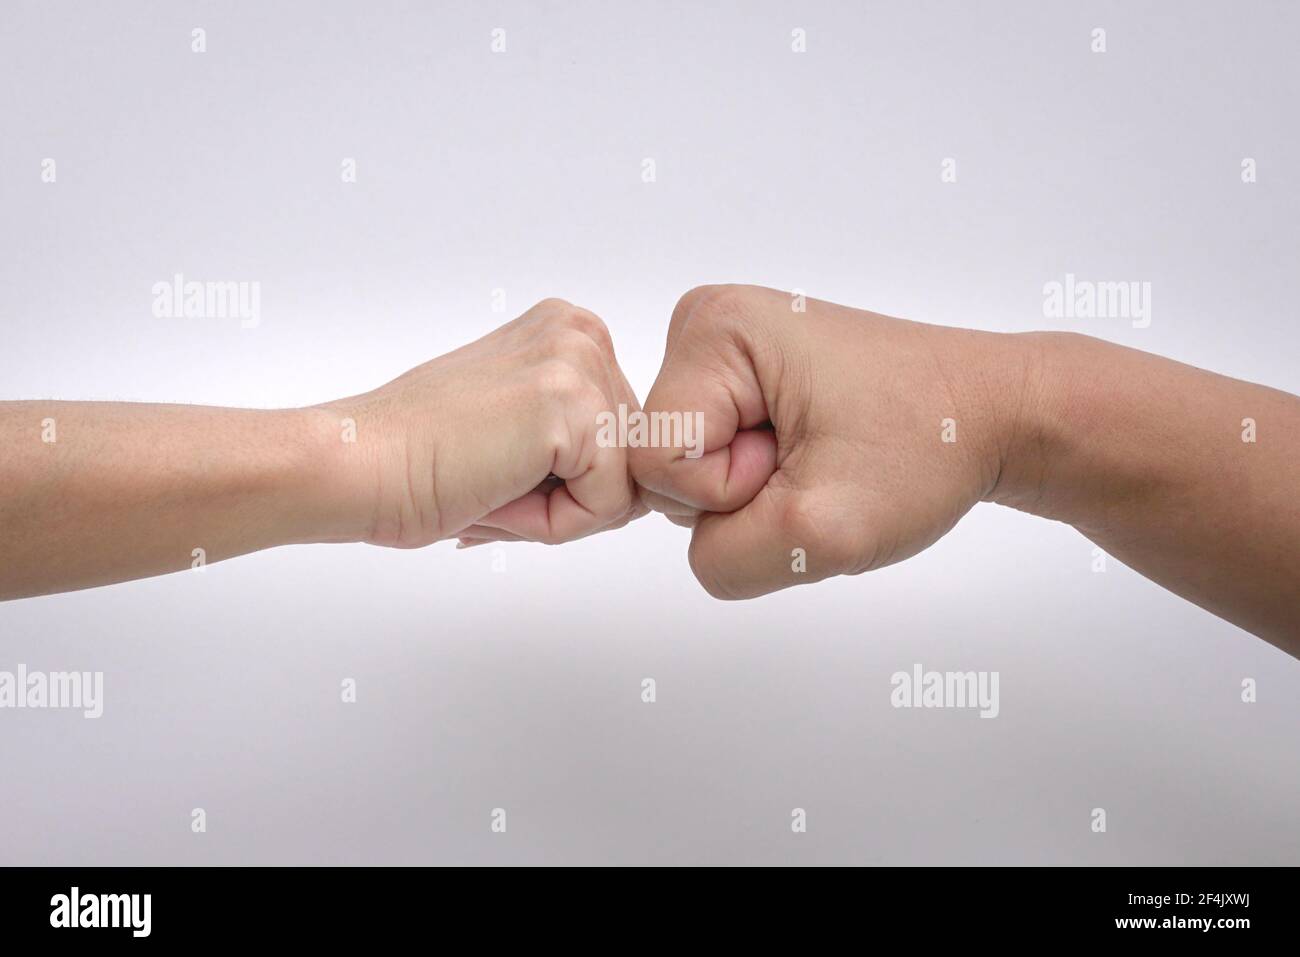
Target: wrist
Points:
(384, 481)
(334, 487)
(995, 383)
(1043, 370)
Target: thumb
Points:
(777, 540)
(708, 377)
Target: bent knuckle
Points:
(566, 324)
(591, 326)
(711, 306)
(552, 308)
(806, 521)
(564, 342)
(560, 380)
(647, 466)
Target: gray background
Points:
(521, 689)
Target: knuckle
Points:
(567, 342)
(612, 502)
(646, 466)
(712, 304)
(559, 379)
(706, 572)
(591, 326)
(806, 522)
(553, 307)
(570, 324)
(651, 470)
(567, 398)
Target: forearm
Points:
(96, 492)
(497, 440)
(1148, 458)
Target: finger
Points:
(637, 511)
(734, 555)
(721, 480)
(592, 499)
(707, 378)
(665, 505)
(480, 534)
(775, 541)
(588, 501)
(486, 532)
(489, 533)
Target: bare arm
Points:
(498, 439)
(1191, 478)
(859, 440)
(101, 492)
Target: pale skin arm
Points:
(103, 492)
(496, 439)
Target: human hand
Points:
(855, 437)
(496, 441)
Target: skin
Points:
(824, 431)
(498, 439)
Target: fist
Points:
(835, 440)
(498, 441)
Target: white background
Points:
(521, 689)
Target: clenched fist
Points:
(857, 438)
(498, 440)
(798, 439)
(837, 441)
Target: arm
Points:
(862, 439)
(1190, 478)
(100, 492)
(497, 439)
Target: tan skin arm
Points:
(1150, 459)
(823, 433)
